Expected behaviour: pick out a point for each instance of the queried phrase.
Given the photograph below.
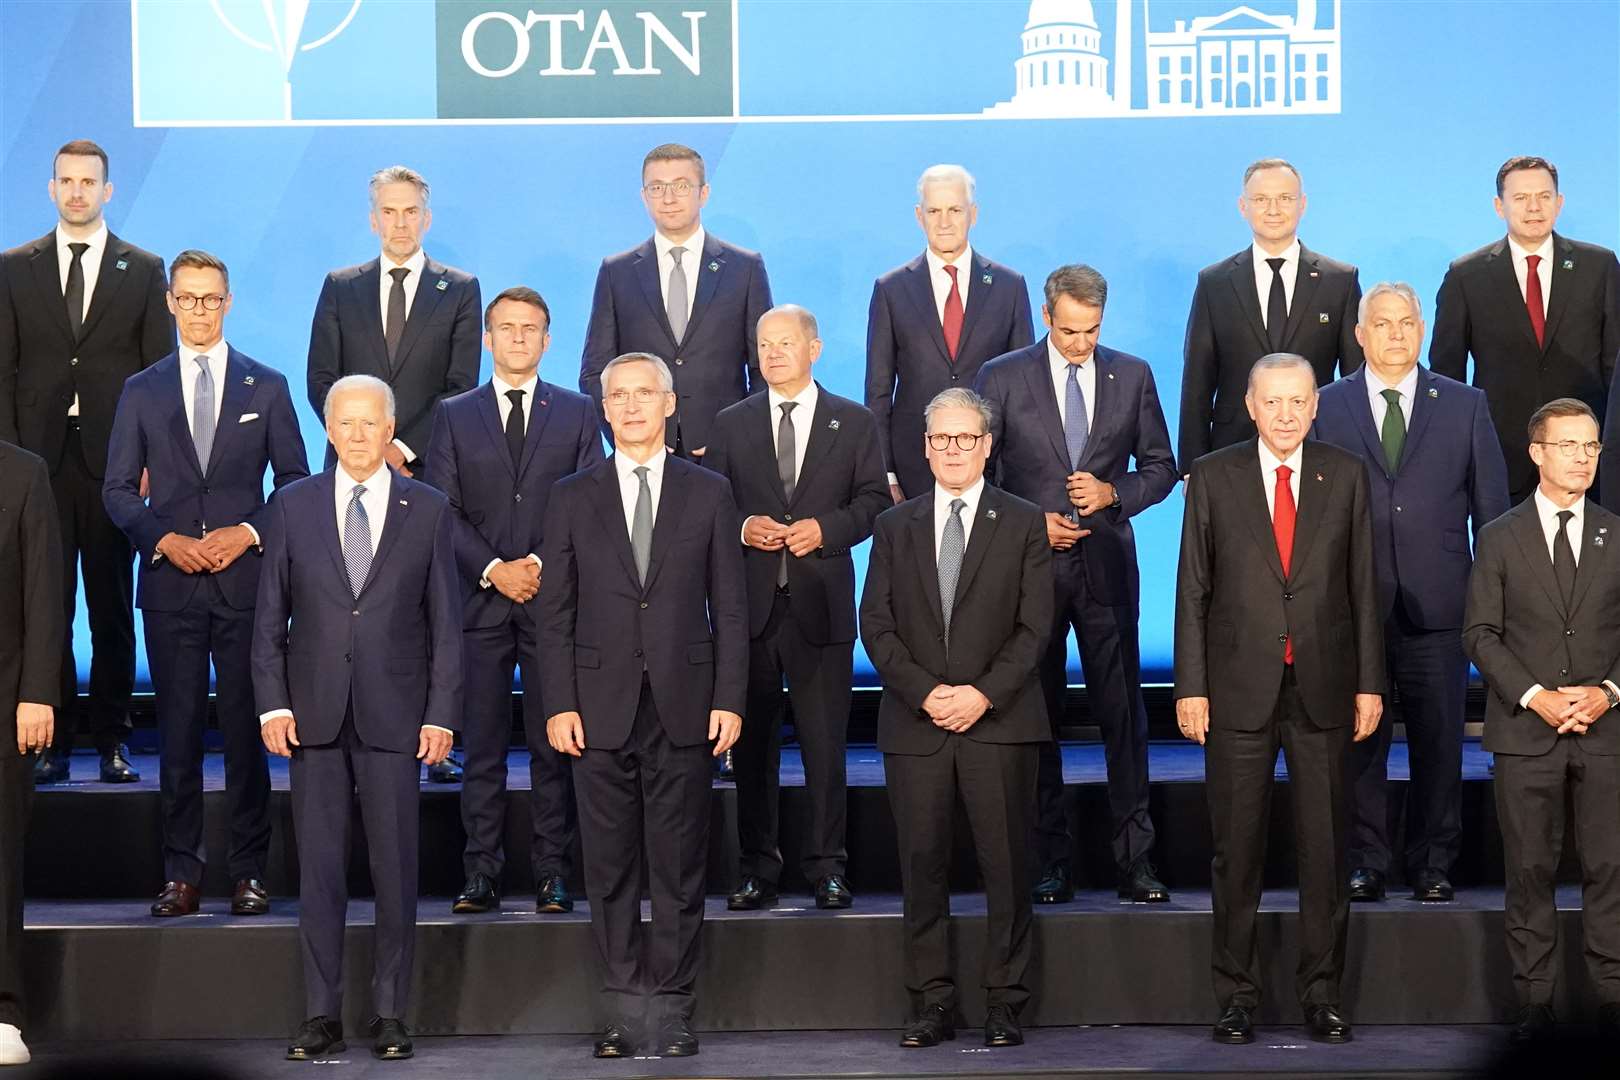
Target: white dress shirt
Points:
(1547, 512)
(1269, 463)
(1544, 269)
(1262, 275)
(90, 264)
(1086, 376)
(942, 512)
(806, 400)
(941, 281)
(1407, 388)
(691, 262)
(385, 286)
(503, 405)
(630, 485)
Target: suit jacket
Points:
(1000, 621)
(257, 428)
(1235, 608)
(438, 353)
(686, 628)
(1226, 335)
(1480, 310)
(1519, 632)
(42, 367)
(1450, 482)
(31, 615)
(841, 485)
(907, 362)
(1031, 460)
(715, 363)
(394, 652)
(499, 507)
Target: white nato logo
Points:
(282, 24)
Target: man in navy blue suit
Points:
(365, 682)
(684, 296)
(204, 423)
(1436, 477)
(1069, 418)
(496, 451)
(934, 322)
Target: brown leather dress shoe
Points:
(177, 898)
(250, 898)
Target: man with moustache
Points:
(496, 452)
(807, 474)
(204, 423)
(80, 311)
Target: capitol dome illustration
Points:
(1063, 71)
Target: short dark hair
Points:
(674, 151)
(1078, 282)
(1524, 163)
(523, 295)
(1269, 163)
(1558, 407)
(82, 148)
(197, 259)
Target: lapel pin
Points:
(1323, 317)
(1433, 392)
(714, 267)
(991, 514)
(402, 502)
(986, 279)
(1320, 478)
(1597, 541)
(1569, 264)
(1315, 274)
(247, 380)
(443, 285)
(122, 264)
(1110, 374)
(832, 425)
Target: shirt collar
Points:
(346, 483)
(942, 498)
(414, 264)
(1521, 253)
(693, 246)
(806, 398)
(1548, 511)
(1269, 461)
(626, 466)
(1407, 386)
(936, 264)
(1059, 361)
(216, 354)
(1290, 256)
(528, 387)
(97, 240)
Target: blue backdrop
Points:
(835, 108)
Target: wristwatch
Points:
(1613, 698)
(1116, 503)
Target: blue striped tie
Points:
(357, 541)
(1075, 428)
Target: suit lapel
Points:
(1533, 546)
(1102, 408)
(1425, 400)
(708, 271)
(1307, 279)
(1248, 487)
(922, 295)
(1037, 376)
(237, 392)
(1593, 556)
(760, 432)
(1316, 481)
(823, 434)
(489, 411)
(609, 507)
(645, 270)
(393, 524)
(1503, 284)
(539, 416)
(978, 298)
(984, 534)
(1563, 281)
(367, 293)
(921, 529)
(179, 422)
(1361, 415)
(429, 291)
(48, 276)
(667, 518)
(1241, 278)
(325, 495)
(109, 279)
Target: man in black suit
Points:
(1275, 295)
(644, 639)
(1067, 417)
(1543, 627)
(205, 423)
(80, 312)
(807, 475)
(403, 318)
(1539, 312)
(496, 452)
(934, 322)
(30, 676)
(685, 294)
(955, 615)
(1278, 641)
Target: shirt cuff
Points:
(410, 455)
(742, 533)
(253, 533)
(894, 480)
(265, 718)
(483, 579)
(1610, 684)
(436, 727)
(1529, 695)
(539, 564)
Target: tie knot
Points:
(78, 249)
(515, 397)
(1532, 261)
(1276, 264)
(641, 473)
(1564, 517)
(1391, 396)
(676, 253)
(1284, 472)
(956, 506)
(951, 270)
(787, 407)
(399, 274)
(202, 360)
(359, 490)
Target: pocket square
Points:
(247, 416)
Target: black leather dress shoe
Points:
(250, 898)
(317, 1036)
(832, 893)
(1234, 1026)
(1366, 886)
(1608, 1021)
(617, 1041)
(1141, 885)
(115, 766)
(1055, 886)
(389, 1039)
(1534, 1023)
(933, 1027)
(1001, 1029)
(675, 1038)
(552, 897)
(754, 893)
(447, 771)
(1327, 1024)
(1433, 887)
(51, 767)
(177, 898)
(477, 896)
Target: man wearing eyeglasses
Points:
(1276, 295)
(198, 540)
(684, 296)
(1543, 627)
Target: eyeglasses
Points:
(1281, 202)
(211, 302)
(964, 442)
(680, 189)
(619, 398)
(1566, 447)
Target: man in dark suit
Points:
(205, 423)
(807, 475)
(1278, 643)
(955, 615)
(80, 312)
(496, 452)
(1067, 417)
(364, 684)
(1543, 627)
(1435, 476)
(1275, 295)
(30, 677)
(644, 638)
(1539, 312)
(934, 322)
(683, 294)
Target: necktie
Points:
(1564, 558)
(952, 323)
(785, 469)
(1282, 527)
(641, 526)
(74, 293)
(1076, 430)
(950, 564)
(514, 426)
(675, 305)
(1276, 306)
(357, 541)
(202, 413)
(1532, 298)
(394, 325)
(1393, 433)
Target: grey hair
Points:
(399, 174)
(1270, 163)
(1277, 361)
(1389, 288)
(666, 380)
(958, 397)
(946, 174)
(807, 321)
(1079, 283)
(350, 383)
